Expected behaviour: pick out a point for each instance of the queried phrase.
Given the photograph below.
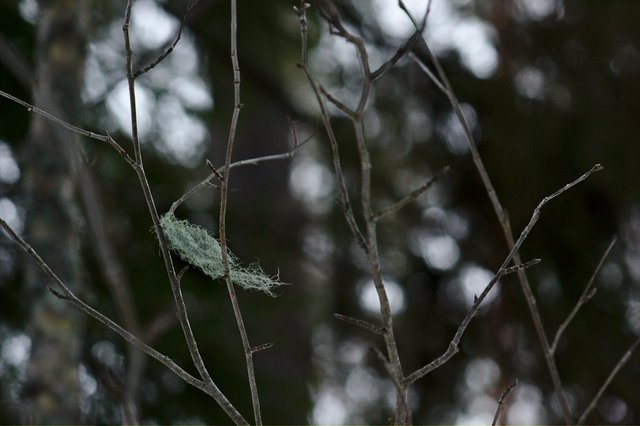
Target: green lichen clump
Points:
(196, 246)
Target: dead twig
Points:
(78, 130)
(406, 48)
(375, 329)
(169, 49)
(504, 395)
(586, 295)
(366, 236)
(216, 172)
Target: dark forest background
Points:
(551, 87)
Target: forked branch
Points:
(453, 345)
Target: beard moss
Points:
(199, 248)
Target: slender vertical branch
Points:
(224, 193)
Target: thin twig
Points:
(337, 103)
(409, 198)
(621, 363)
(215, 174)
(169, 49)
(387, 366)
(375, 329)
(224, 191)
(453, 345)
(586, 295)
(504, 395)
(410, 43)
(55, 119)
(525, 265)
(262, 347)
(71, 127)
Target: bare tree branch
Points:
(262, 347)
(425, 69)
(453, 345)
(525, 265)
(75, 129)
(586, 295)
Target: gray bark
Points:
(52, 391)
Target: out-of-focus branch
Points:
(586, 295)
(16, 63)
(365, 235)
(118, 285)
(621, 363)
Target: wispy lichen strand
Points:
(196, 246)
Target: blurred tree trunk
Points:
(52, 390)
